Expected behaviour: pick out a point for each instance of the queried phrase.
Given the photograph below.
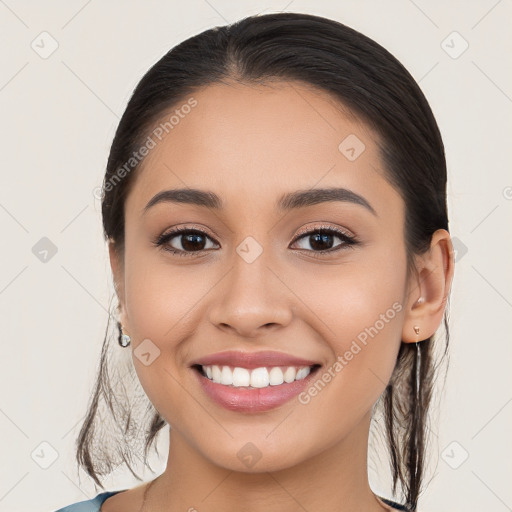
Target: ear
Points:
(431, 286)
(117, 267)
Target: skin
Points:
(249, 145)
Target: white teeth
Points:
(256, 378)
(216, 374)
(226, 376)
(259, 378)
(289, 374)
(302, 373)
(276, 376)
(241, 377)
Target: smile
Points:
(263, 377)
(253, 390)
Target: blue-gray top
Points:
(95, 504)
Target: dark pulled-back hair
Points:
(369, 83)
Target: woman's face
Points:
(253, 282)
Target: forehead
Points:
(255, 142)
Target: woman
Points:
(275, 209)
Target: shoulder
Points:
(395, 506)
(92, 505)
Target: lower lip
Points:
(253, 400)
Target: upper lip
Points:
(252, 359)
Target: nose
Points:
(251, 299)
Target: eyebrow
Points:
(287, 202)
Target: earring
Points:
(123, 339)
(418, 373)
(416, 329)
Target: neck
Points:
(335, 480)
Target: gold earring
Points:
(416, 330)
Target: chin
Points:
(253, 454)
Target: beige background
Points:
(58, 116)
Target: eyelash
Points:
(349, 241)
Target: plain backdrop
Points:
(67, 71)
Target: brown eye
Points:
(184, 240)
(322, 240)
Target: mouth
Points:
(252, 382)
(254, 378)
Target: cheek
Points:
(359, 312)
(159, 302)
(159, 322)
(346, 299)
(161, 298)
